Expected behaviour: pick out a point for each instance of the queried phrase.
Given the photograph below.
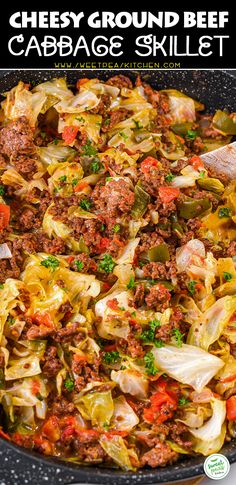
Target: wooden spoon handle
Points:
(222, 160)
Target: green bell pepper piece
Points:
(223, 122)
(211, 184)
(159, 253)
(191, 208)
(141, 202)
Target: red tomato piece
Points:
(81, 81)
(4, 216)
(69, 134)
(231, 408)
(196, 162)
(167, 194)
(81, 186)
(43, 319)
(113, 304)
(148, 163)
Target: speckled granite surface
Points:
(16, 469)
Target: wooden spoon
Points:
(222, 160)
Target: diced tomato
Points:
(51, 429)
(88, 434)
(132, 322)
(162, 406)
(70, 259)
(196, 162)
(199, 286)
(231, 408)
(69, 421)
(4, 216)
(106, 286)
(43, 444)
(81, 186)
(103, 244)
(167, 194)
(4, 435)
(81, 81)
(161, 384)
(35, 387)
(111, 434)
(69, 134)
(118, 242)
(113, 304)
(148, 163)
(228, 379)
(80, 358)
(43, 319)
(110, 348)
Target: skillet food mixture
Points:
(117, 272)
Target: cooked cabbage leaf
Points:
(187, 364)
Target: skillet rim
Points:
(189, 467)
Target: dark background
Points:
(19, 469)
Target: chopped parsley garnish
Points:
(142, 263)
(138, 125)
(106, 122)
(43, 135)
(108, 179)
(202, 174)
(88, 149)
(224, 212)
(69, 385)
(55, 141)
(150, 366)
(227, 276)
(80, 119)
(178, 336)
(74, 182)
(183, 401)
(123, 135)
(85, 204)
(111, 357)
(2, 190)
(106, 426)
(116, 228)
(103, 227)
(11, 320)
(191, 135)
(148, 335)
(158, 343)
(63, 178)
(95, 166)
(192, 286)
(1, 286)
(50, 262)
(106, 264)
(169, 177)
(79, 265)
(131, 283)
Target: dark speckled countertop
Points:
(17, 469)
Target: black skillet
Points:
(217, 89)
